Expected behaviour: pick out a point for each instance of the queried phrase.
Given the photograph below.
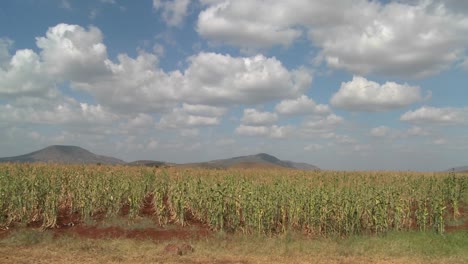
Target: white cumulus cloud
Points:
(397, 38)
(140, 122)
(68, 112)
(258, 118)
(221, 79)
(138, 85)
(361, 94)
(434, 115)
(251, 24)
(192, 116)
(71, 52)
(265, 131)
(25, 75)
(211, 79)
(320, 125)
(303, 105)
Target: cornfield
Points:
(249, 201)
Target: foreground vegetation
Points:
(233, 201)
(34, 246)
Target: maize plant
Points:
(236, 200)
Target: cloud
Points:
(190, 132)
(192, 116)
(440, 141)
(361, 94)
(68, 112)
(250, 24)
(464, 64)
(397, 38)
(70, 52)
(159, 49)
(258, 123)
(138, 85)
(221, 79)
(312, 147)
(265, 131)
(25, 75)
(390, 133)
(139, 123)
(173, 12)
(135, 85)
(257, 118)
(210, 79)
(320, 127)
(301, 106)
(93, 14)
(5, 45)
(344, 139)
(417, 131)
(321, 124)
(456, 6)
(393, 39)
(65, 4)
(434, 115)
(180, 119)
(222, 142)
(152, 144)
(203, 110)
(362, 148)
(381, 131)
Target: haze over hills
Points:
(63, 154)
(149, 163)
(459, 169)
(78, 155)
(261, 160)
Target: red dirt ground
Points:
(463, 210)
(3, 233)
(113, 232)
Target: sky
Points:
(341, 84)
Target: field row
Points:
(249, 201)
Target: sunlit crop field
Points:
(242, 201)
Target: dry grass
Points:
(394, 248)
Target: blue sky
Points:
(347, 85)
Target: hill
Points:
(63, 154)
(261, 160)
(459, 169)
(78, 155)
(149, 163)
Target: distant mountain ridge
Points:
(78, 155)
(63, 154)
(261, 160)
(148, 163)
(459, 169)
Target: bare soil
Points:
(462, 220)
(114, 232)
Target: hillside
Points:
(78, 155)
(459, 169)
(63, 154)
(261, 160)
(148, 163)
